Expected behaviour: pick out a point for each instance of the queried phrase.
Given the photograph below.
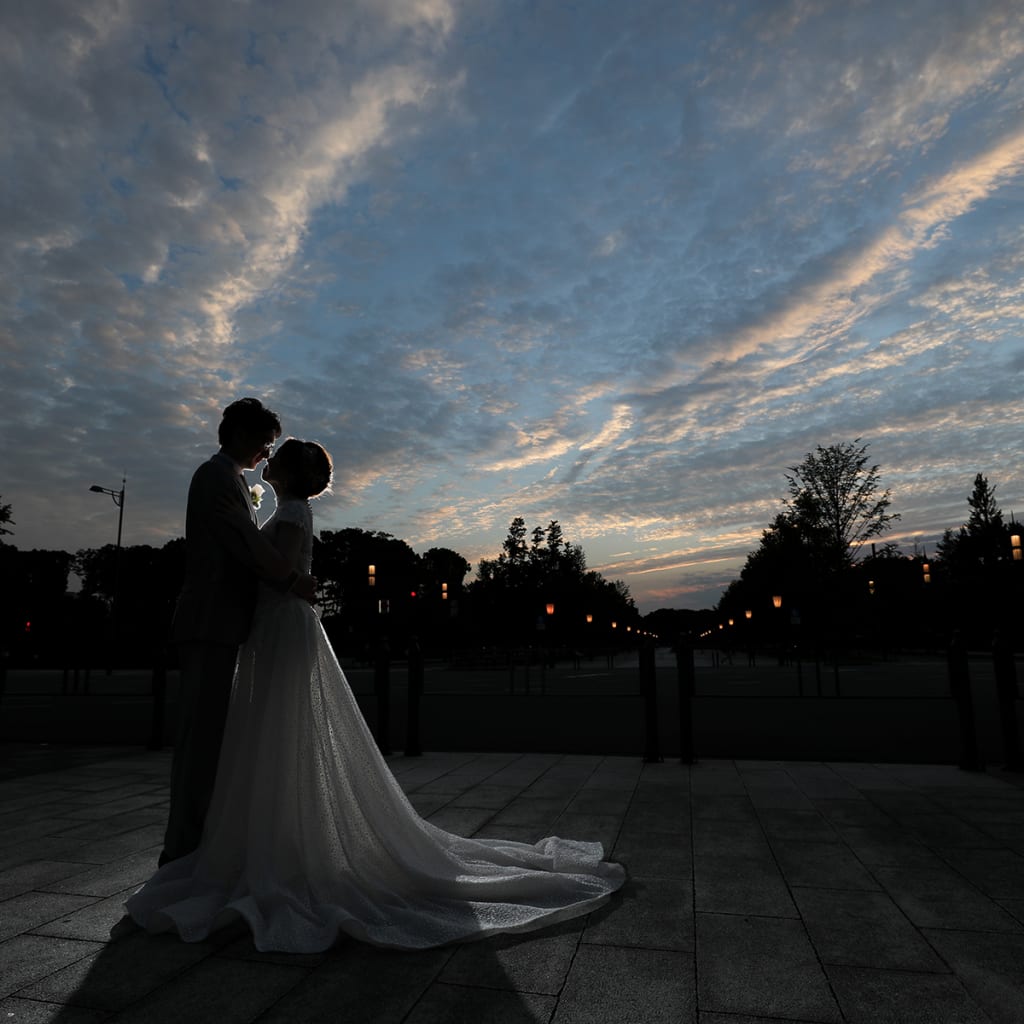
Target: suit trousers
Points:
(207, 673)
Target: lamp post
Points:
(118, 499)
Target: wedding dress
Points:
(309, 836)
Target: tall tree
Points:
(834, 499)
(513, 547)
(5, 517)
(976, 569)
(983, 540)
(985, 513)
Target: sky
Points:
(615, 264)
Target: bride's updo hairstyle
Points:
(307, 465)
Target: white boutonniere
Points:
(256, 495)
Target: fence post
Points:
(960, 690)
(382, 689)
(415, 687)
(1006, 693)
(649, 689)
(686, 675)
(158, 691)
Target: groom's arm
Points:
(244, 541)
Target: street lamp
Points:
(118, 499)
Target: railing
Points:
(533, 669)
(959, 690)
(637, 686)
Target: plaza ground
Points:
(759, 891)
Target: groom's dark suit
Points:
(225, 557)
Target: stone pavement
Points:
(759, 891)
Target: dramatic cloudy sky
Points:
(614, 263)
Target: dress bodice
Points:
(300, 514)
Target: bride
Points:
(308, 834)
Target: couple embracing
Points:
(283, 811)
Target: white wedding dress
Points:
(309, 836)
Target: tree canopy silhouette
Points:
(834, 502)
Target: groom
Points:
(225, 557)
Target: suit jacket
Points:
(225, 556)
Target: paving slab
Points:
(740, 884)
(942, 898)
(107, 879)
(764, 966)
(31, 910)
(654, 854)
(863, 929)
(990, 967)
(92, 921)
(113, 975)
(652, 913)
(890, 997)
(457, 1004)
(536, 962)
(641, 986)
(226, 991)
(33, 1011)
(27, 959)
(360, 985)
(821, 865)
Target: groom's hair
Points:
(248, 416)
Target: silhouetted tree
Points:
(145, 581)
(833, 508)
(31, 598)
(439, 566)
(983, 540)
(511, 592)
(356, 612)
(834, 501)
(5, 517)
(976, 572)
